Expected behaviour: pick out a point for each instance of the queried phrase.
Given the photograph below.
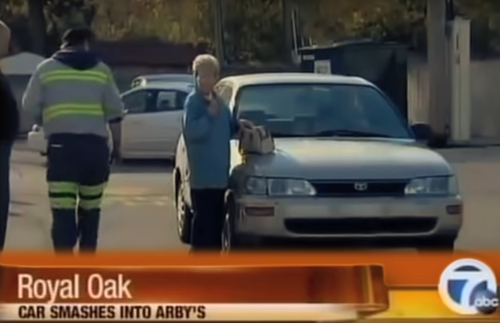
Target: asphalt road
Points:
(139, 213)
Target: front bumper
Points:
(320, 218)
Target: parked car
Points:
(151, 126)
(175, 78)
(346, 165)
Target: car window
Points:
(136, 102)
(170, 100)
(314, 109)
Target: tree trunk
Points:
(38, 26)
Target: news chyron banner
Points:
(249, 287)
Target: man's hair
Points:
(4, 39)
(77, 37)
(205, 63)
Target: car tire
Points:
(444, 243)
(230, 241)
(184, 216)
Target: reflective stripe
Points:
(92, 190)
(58, 110)
(63, 187)
(65, 203)
(90, 204)
(75, 75)
(91, 196)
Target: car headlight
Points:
(443, 185)
(279, 187)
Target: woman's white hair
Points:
(205, 63)
(4, 39)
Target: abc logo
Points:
(469, 287)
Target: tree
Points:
(38, 26)
(50, 18)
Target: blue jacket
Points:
(207, 139)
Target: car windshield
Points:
(321, 110)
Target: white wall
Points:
(485, 96)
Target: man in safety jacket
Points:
(75, 96)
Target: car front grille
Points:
(392, 225)
(360, 188)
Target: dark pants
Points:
(77, 174)
(208, 219)
(5, 151)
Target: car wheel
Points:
(227, 235)
(184, 217)
(445, 243)
(230, 241)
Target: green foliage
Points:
(254, 29)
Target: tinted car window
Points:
(313, 109)
(170, 100)
(136, 102)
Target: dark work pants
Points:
(77, 173)
(5, 151)
(208, 219)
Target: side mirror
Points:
(422, 132)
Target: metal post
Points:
(287, 9)
(439, 86)
(218, 21)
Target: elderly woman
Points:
(208, 128)
(9, 125)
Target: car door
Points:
(167, 123)
(135, 132)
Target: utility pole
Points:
(437, 61)
(218, 21)
(287, 7)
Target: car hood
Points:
(344, 159)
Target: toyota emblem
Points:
(360, 186)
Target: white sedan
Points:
(152, 124)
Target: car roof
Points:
(179, 86)
(161, 76)
(270, 78)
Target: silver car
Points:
(346, 165)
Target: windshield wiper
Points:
(349, 133)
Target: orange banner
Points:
(400, 268)
(381, 285)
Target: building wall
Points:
(484, 92)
